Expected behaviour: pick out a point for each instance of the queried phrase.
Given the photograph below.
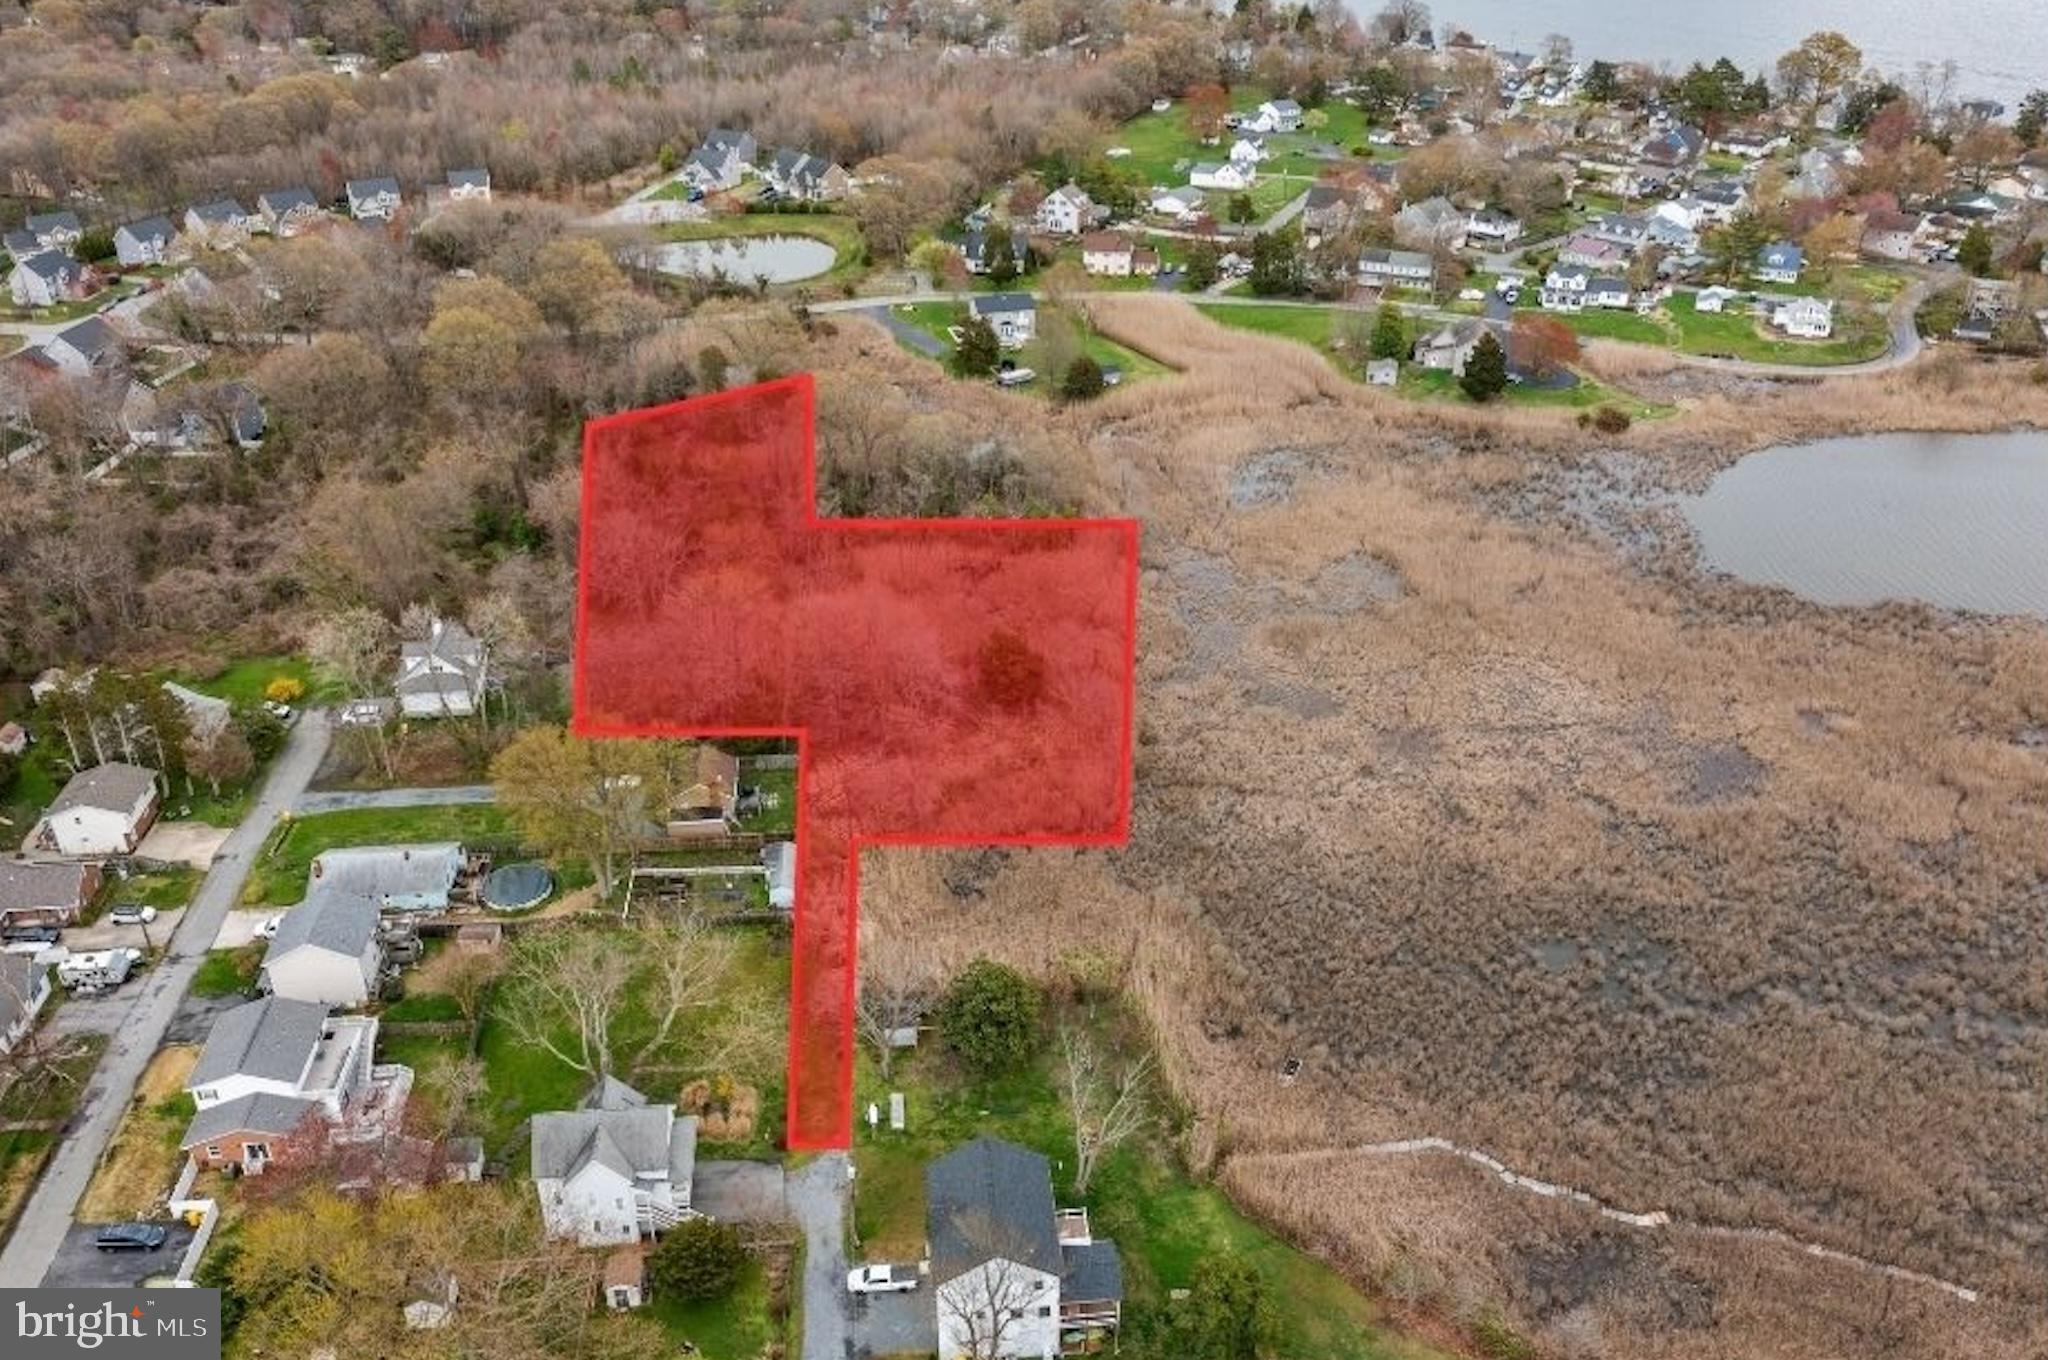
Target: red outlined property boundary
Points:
(815, 970)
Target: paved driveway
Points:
(908, 331)
(740, 1192)
(81, 1265)
(349, 799)
(817, 1200)
(193, 843)
(104, 934)
(895, 1324)
(45, 1221)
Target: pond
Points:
(745, 259)
(1957, 521)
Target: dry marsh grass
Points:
(1644, 886)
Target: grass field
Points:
(228, 972)
(736, 1327)
(142, 1161)
(242, 681)
(279, 877)
(936, 318)
(1161, 1220)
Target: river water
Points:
(2000, 47)
(1958, 521)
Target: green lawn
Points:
(1162, 147)
(1162, 1221)
(1309, 325)
(736, 1327)
(279, 877)
(1858, 336)
(228, 972)
(839, 232)
(242, 681)
(935, 318)
(1613, 325)
(166, 890)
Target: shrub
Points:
(1611, 420)
(699, 1259)
(285, 689)
(1227, 1315)
(1083, 380)
(990, 1015)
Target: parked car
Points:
(131, 1237)
(131, 914)
(881, 1279)
(281, 712)
(268, 930)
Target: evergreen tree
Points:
(1276, 263)
(990, 1016)
(1083, 380)
(1486, 371)
(1603, 82)
(1390, 334)
(1974, 252)
(978, 352)
(1203, 265)
(2033, 118)
(1000, 250)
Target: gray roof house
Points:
(396, 877)
(259, 1112)
(44, 278)
(266, 1066)
(285, 212)
(19, 243)
(441, 675)
(465, 184)
(42, 893)
(54, 231)
(325, 950)
(1013, 316)
(218, 224)
(995, 1239)
(24, 987)
(85, 346)
(144, 243)
(1780, 262)
(374, 198)
(800, 175)
(272, 1040)
(1450, 345)
(616, 1171)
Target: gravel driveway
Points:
(817, 1200)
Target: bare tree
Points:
(1108, 1101)
(571, 982)
(899, 983)
(981, 1310)
(355, 644)
(692, 964)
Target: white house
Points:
(1450, 345)
(466, 186)
(1275, 115)
(148, 242)
(807, 178)
(1013, 317)
(373, 200)
(1432, 223)
(1892, 235)
(1573, 288)
(88, 346)
(24, 989)
(1494, 228)
(1230, 176)
(395, 877)
(1805, 318)
(1011, 1274)
(1114, 256)
(443, 674)
(55, 231)
(722, 161)
(1715, 299)
(287, 212)
(326, 950)
(1066, 211)
(1182, 205)
(1248, 151)
(45, 279)
(102, 811)
(1387, 268)
(267, 1067)
(219, 225)
(616, 1171)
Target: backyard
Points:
(736, 1029)
(1161, 1219)
(1860, 335)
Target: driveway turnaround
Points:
(45, 1222)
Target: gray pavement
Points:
(895, 1324)
(740, 1192)
(347, 800)
(40, 1232)
(908, 331)
(81, 1265)
(817, 1200)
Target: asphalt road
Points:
(817, 1201)
(137, 1030)
(349, 800)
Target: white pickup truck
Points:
(881, 1279)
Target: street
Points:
(138, 1028)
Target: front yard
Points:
(938, 318)
(143, 1160)
(1860, 335)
